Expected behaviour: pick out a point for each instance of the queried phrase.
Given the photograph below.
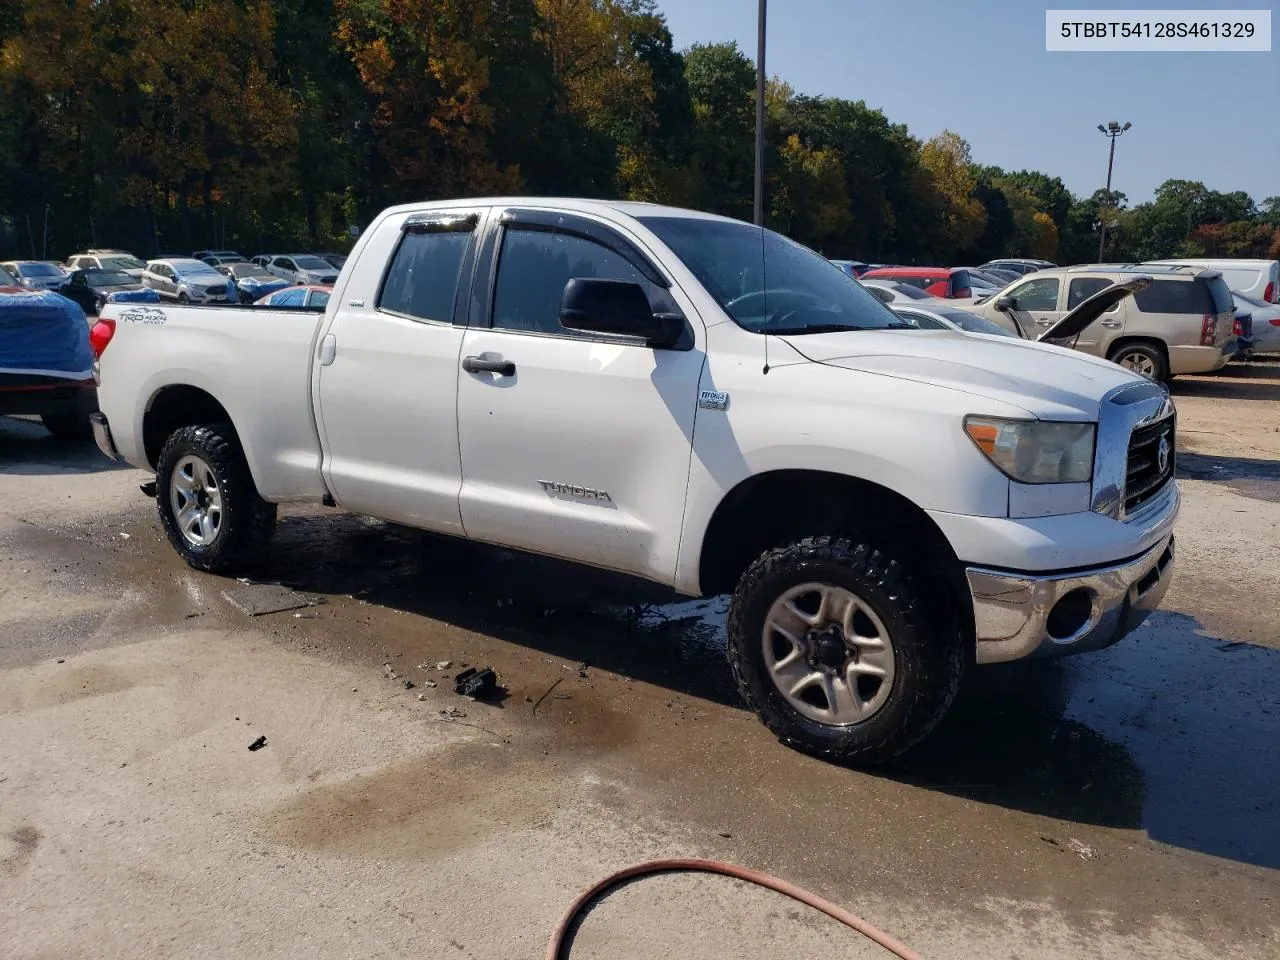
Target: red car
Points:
(949, 282)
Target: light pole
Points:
(1111, 131)
(760, 117)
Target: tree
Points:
(721, 84)
(947, 161)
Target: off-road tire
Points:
(68, 426)
(928, 653)
(1153, 354)
(247, 522)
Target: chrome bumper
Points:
(1027, 615)
(102, 435)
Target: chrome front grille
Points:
(1151, 462)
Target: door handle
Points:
(1044, 321)
(1111, 323)
(503, 368)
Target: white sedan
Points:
(941, 317)
(1266, 323)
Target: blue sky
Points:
(979, 67)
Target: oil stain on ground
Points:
(456, 798)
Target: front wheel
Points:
(208, 504)
(183, 298)
(830, 645)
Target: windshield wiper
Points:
(834, 328)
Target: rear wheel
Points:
(1142, 358)
(182, 297)
(208, 504)
(830, 646)
(68, 426)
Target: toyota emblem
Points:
(1162, 454)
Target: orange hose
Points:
(556, 948)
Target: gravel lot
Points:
(1121, 804)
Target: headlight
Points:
(1035, 451)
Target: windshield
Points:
(312, 263)
(40, 270)
(121, 263)
(107, 278)
(242, 271)
(776, 286)
(195, 269)
(975, 323)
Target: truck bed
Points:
(253, 361)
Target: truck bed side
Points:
(167, 362)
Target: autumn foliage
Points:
(261, 124)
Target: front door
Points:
(574, 445)
(388, 373)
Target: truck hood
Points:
(1049, 382)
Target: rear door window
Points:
(422, 281)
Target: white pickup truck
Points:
(592, 381)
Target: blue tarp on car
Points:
(142, 295)
(44, 334)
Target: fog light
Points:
(1069, 615)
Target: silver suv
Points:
(1181, 323)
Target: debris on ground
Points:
(444, 664)
(62, 659)
(726, 834)
(453, 713)
(257, 599)
(258, 744)
(428, 683)
(124, 536)
(1083, 851)
(389, 672)
(408, 684)
(474, 683)
(422, 696)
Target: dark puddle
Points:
(1255, 478)
(1171, 731)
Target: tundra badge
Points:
(573, 490)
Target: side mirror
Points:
(617, 307)
(1005, 304)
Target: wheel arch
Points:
(1130, 340)
(173, 407)
(775, 507)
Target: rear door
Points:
(388, 371)
(1036, 302)
(573, 444)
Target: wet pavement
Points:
(1122, 803)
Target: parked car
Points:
(890, 291)
(37, 274)
(1018, 265)
(950, 283)
(997, 280)
(46, 365)
(217, 258)
(1005, 277)
(1259, 279)
(186, 280)
(303, 268)
(592, 387)
(314, 297)
(263, 259)
(852, 268)
(937, 316)
(1266, 323)
(107, 260)
(91, 289)
(1242, 327)
(1182, 323)
(335, 260)
(250, 281)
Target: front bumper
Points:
(1019, 615)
